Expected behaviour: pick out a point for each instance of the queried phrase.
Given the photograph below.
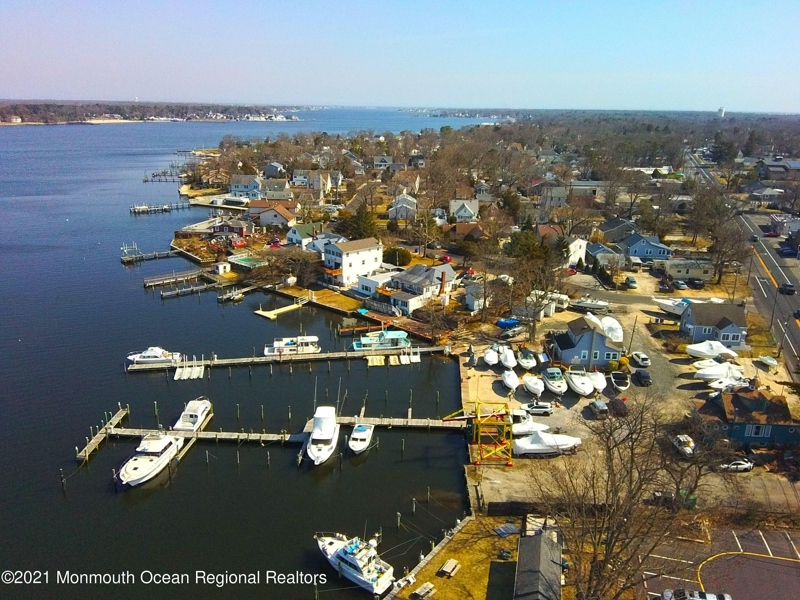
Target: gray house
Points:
(644, 246)
(585, 343)
(274, 169)
(538, 575)
(599, 252)
(616, 230)
(725, 323)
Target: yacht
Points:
(510, 379)
(490, 356)
(357, 560)
(709, 349)
(598, 380)
(361, 437)
(303, 344)
(579, 381)
(507, 358)
(554, 381)
(526, 359)
(620, 380)
(324, 435)
(152, 456)
(155, 355)
(382, 340)
(194, 415)
(542, 443)
(532, 384)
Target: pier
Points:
(130, 258)
(236, 294)
(101, 434)
(187, 291)
(150, 209)
(273, 314)
(173, 278)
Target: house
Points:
(337, 179)
(397, 167)
(465, 211)
(779, 168)
(463, 232)
(482, 188)
(766, 196)
(257, 206)
(246, 186)
(276, 216)
(277, 189)
(684, 268)
(403, 207)
(368, 285)
(313, 179)
(301, 177)
(573, 249)
(539, 565)
(553, 197)
(309, 198)
(381, 162)
(585, 343)
(232, 227)
(414, 287)
(303, 235)
(417, 162)
(725, 323)
(645, 247)
(274, 169)
(322, 239)
(599, 252)
(614, 230)
(784, 224)
(346, 261)
(756, 418)
(409, 180)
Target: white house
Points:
(345, 261)
(276, 216)
(369, 284)
(303, 235)
(381, 162)
(323, 239)
(465, 211)
(246, 186)
(403, 207)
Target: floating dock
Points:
(188, 291)
(173, 278)
(131, 258)
(273, 314)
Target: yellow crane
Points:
(491, 431)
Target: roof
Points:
(635, 238)
(717, 315)
(538, 574)
(356, 245)
(548, 230)
(745, 406)
(242, 179)
(282, 212)
(306, 230)
(423, 275)
(597, 248)
(618, 223)
(582, 325)
(689, 263)
(465, 229)
(276, 185)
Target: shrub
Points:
(613, 365)
(580, 265)
(397, 256)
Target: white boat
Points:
(673, 306)
(507, 358)
(155, 355)
(598, 380)
(554, 381)
(193, 416)
(542, 443)
(357, 560)
(726, 383)
(709, 349)
(526, 359)
(382, 340)
(361, 437)
(769, 361)
(152, 456)
(578, 381)
(613, 329)
(490, 356)
(620, 380)
(533, 385)
(510, 379)
(589, 303)
(718, 372)
(324, 435)
(711, 362)
(303, 344)
(522, 423)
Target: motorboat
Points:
(382, 340)
(709, 349)
(672, 306)
(726, 383)
(507, 323)
(620, 380)
(712, 362)
(303, 344)
(155, 355)
(357, 560)
(526, 359)
(767, 360)
(554, 381)
(613, 329)
(507, 358)
(532, 384)
(579, 381)
(490, 356)
(510, 379)
(194, 415)
(587, 303)
(152, 456)
(522, 423)
(598, 380)
(543, 443)
(361, 437)
(324, 435)
(718, 372)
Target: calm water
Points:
(71, 314)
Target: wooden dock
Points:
(188, 291)
(273, 314)
(295, 358)
(150, 209)
(101, 434)
(236, 293)
(128, 259)
(173, 278)
(215, 436)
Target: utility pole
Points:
(783, 339)
(633, 331)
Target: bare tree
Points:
(730, 245)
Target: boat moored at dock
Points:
(303, 344)
(382, 340)
(155, 355)
(361, 437)
(357, 560)
(324, 435)
(152, 456)
(194, 415)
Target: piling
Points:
(262, 412)
(237, 411)
(114, 479)
(206, 456)
(268, 465)
(229, 372)
(63, 480)
(398, 520)
(270, 370)
(290, 416)
(429, 494)
(155, 409)
(237, 458)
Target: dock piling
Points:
(268, 465)
(237, 411)
(429, 494)
(63, 480)
(398, 520)
(262, 412)
(413, 506)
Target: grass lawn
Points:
(186, 190)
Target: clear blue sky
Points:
(637, 54)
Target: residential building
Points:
(409, 180)
(313, 179)
(369, 285)
(246, 186)
(677, 268)
(539, 564)
(724, 323)
(397, 167)
(417, 162)
(573, 249)
(274, 169)
(585, 343)
(463, 231)
(404, 207)
(303, 235)
(465, 211)
(232, 227)
(784, 224)
(301, 177)
(322, 239)
(257, 206)
(615, 230)
(414, 287)
(779, 168)
(765, 196)
(599, 252)
(645, 247)
(482, 188)
(381, 162)
(276, 216)
(346, 261)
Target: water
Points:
(72, 312)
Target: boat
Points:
(769, 361)
(726, 383)
(510, 379)
(507, 323)
(612, 328)
(382, 340)
(324, 435)
(620, 380)
(507, 358)
(194, 415)
(709, 349)
(152, 456)
(598, 380)
(554, 381)
(718, 372)
(490, 356)
(361, 437)
(711, 362)
(673, 306)
(522, 423)
(303, 344)
(532, 384)
(543, 443)
(526, 359)
(588, 303)
(357, 560)
(578, 381)
(155, 355)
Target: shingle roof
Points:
(423, 275)
(242, 179)
(718, 315)
(306, 230)
(355, 245)
(581, 325)
(538, 575)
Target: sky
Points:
(561, 54)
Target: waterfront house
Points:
(229, 226)
(725, 323)
(757, 418)
(345, 261)
(381, 163)
(276, 216)
(274, 169)
(404, 207)
(645, 247)
(465, 211)
(368, 285)
(424, 280)
(585, 343)
(246, 186)
(302, 235)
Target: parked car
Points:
(739, 465)
(679, 284)
(630, 283)
(772, 234)
(786, 288)
(599, 409)
(797, 314)
(787, 252)
(433, 245)
(696, 283)
(539, 408)
(644, 378)
(641, 359)
(684, 445)
(664, 287)
(445, 258)
(681, 594)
